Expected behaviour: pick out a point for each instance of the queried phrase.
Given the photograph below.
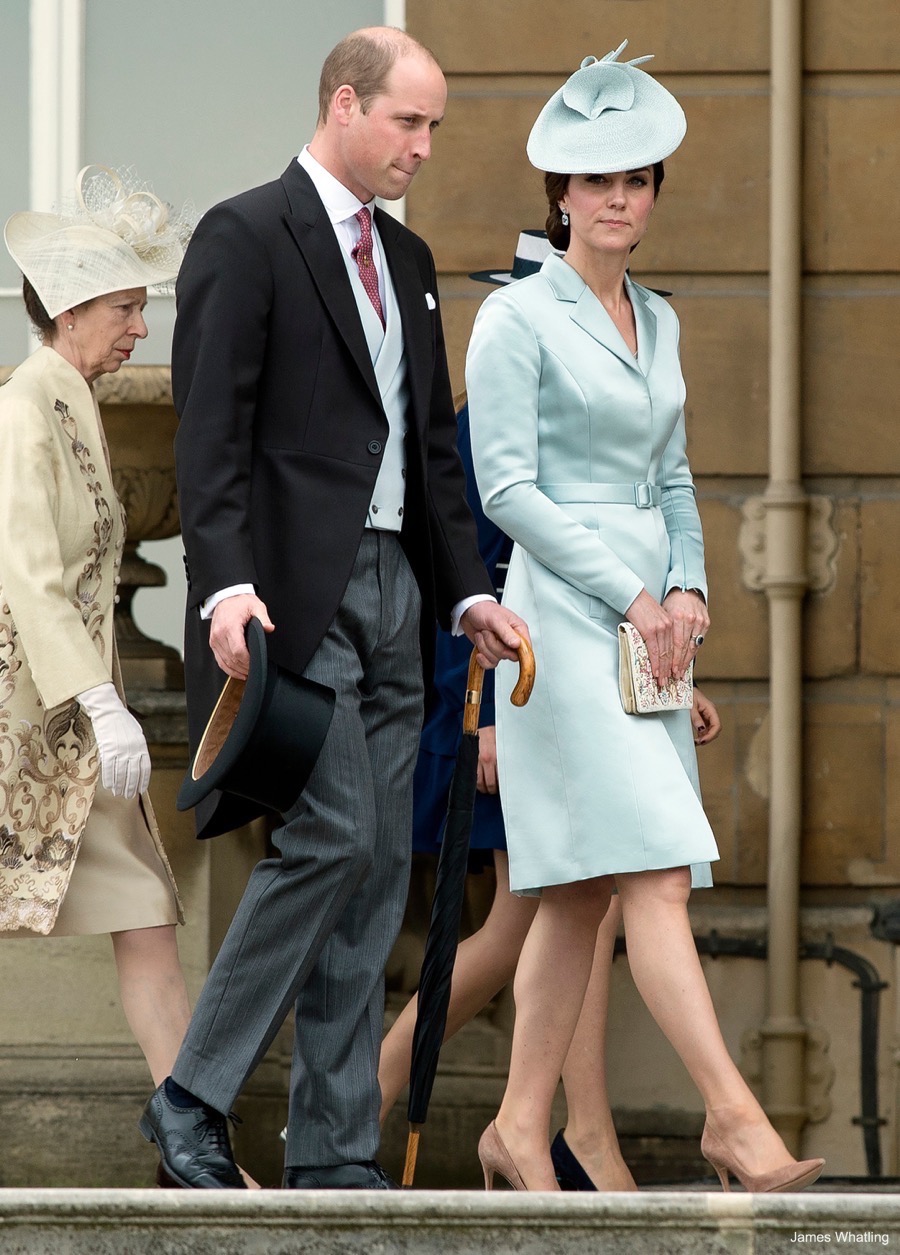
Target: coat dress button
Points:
(374, 446)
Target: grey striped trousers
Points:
(315, 926)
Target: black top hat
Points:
(532, 249)
(264, 735)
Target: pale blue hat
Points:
(608, 116)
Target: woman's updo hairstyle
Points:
(43, 324)
(555, 186)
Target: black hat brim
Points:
(496, 277)
(264, 735)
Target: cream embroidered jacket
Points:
(62, 530)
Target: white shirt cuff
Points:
(235, 590)
(461, 607)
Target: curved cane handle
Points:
(475, 682)
(525, 682)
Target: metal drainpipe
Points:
(784, 1034)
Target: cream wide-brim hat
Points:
(117, 235)
(69, 263)
(608, 116)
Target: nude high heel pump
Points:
(793, 1176)
(496, 1158)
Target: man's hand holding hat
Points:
(226, 634)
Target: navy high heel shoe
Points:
(569, 1172)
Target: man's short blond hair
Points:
(364, 59)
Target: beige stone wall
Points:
(709, 245)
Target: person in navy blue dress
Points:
(442, 731)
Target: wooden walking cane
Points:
(443, 932)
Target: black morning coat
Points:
(282, 431)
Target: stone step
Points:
(271, 1222)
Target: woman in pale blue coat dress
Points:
(576, 402)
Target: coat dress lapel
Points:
(645, 319)
(588, 313)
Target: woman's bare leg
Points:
(551, 979)
(153, 992)
(668, 974)
(590, 1133)
(485, 962)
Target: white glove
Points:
(124, 757)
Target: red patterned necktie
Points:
(362, 255)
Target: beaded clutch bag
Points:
(640, 693)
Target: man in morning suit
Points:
(320, 491)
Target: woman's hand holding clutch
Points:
(657, 631)
(672, 632)
(690, 623)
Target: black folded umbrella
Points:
(446, 906)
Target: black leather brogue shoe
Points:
(193, 1144)
(164, 1181)
(345, 1176)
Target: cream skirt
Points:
(119, 881)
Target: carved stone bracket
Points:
(752, 544)
(822, 544)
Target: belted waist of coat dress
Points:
(640, 494)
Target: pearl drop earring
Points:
(70, 326)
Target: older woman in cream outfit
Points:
(576, 401)
(80, 851)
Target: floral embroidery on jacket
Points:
(48, 774)
(89, 579)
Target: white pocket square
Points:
(429, 301)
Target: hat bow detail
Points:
(136, 216)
